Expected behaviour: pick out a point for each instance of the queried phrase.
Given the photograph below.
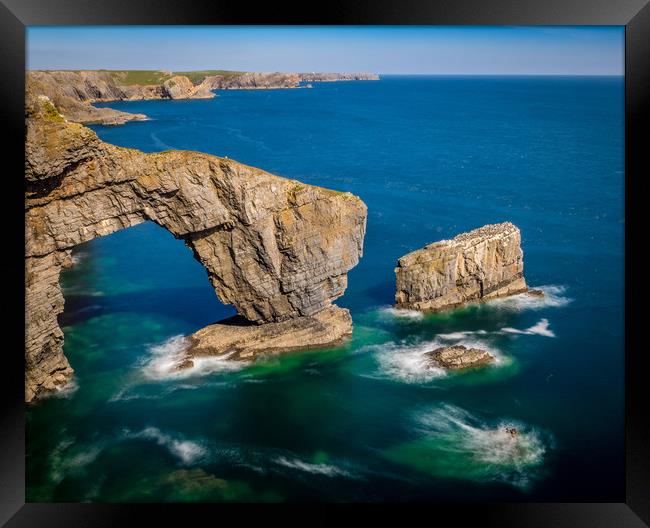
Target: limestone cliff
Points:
(251, 81)
(276, 249)
(481, 264)
(330, 77)
(74, 92)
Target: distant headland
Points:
(73, 92)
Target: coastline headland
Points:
(73, 92)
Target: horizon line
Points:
(430, 74)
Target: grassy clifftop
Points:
(149, 77)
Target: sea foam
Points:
(540, 328)
(70, 458)
(164, 359)
(553, 298)
(327, 470)
(409, 364)
(485, 451)
(401, 313)
(187, 451)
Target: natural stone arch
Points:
(274, 248)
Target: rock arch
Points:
(274, 248)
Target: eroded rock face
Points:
(73, 92)
(274, 248)
(241, 341)
(481, 264)
(459, 357)
(180, 87)
(252, 81)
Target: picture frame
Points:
(16, 15)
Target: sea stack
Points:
(478, 265)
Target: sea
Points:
(369, 420)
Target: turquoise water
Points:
(431, 157)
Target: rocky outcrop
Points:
(478, 265)
(266, 81)
(180, 87)
(459, 357)
(330, 77)
(239, 340)
(74, 92)
(252, 81)
(276, 249)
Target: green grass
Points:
(144, 77)
(197, 76)
(141, 77)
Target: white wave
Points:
(128, 394)
(327, 470)
(164, 360)
(187, 451)
(409, 364)
(553, 298)
(453, 336)
(540, 328)
(159, 143)
(402, 313)
(133, 391)
(77, 257)
(63, 391)
(499, 455)
(67, 458)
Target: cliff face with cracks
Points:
(276, 249)
(480, 264)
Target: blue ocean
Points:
(366, 421)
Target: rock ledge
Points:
(240, 340)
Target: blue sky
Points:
(544, 50)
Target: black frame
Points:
(16, 14)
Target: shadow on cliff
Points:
(196, 306)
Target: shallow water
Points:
(368, 420)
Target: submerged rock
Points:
(512, 431)
(478, 265)
(274, 248)
(535, 293)
(238, 339)
(459, 357)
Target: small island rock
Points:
(460, 357)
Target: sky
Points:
(442, 50)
